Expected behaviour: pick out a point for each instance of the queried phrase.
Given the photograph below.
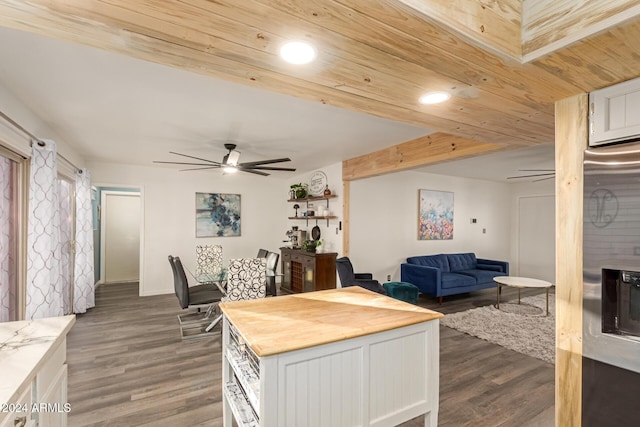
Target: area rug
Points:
(523, 328)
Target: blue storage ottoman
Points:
(403, 291)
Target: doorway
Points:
(120, 213)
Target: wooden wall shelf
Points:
(313, 198)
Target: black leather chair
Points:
(198, 297)
(349, 278)
(272, 266)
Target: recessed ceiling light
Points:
(434, 97)
(297, 53)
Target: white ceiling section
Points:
(120, 109)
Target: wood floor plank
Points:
(128, 366)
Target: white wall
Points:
(18, 141)
(384, 216)
(168, 203)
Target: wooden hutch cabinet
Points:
(307, 271)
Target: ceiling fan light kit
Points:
(230, 163)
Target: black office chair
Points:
(198, 297)
(272, 266)
(349, 278)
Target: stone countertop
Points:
(24, 346)
(286, 323)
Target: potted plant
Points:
(300, 190)
(309, 245)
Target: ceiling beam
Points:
(366, 64)
(495, 25)
(426, 150)
(549, 25)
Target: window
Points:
(10, 211)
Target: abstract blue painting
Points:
(217, 215)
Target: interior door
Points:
(536, 243)
(121, 236)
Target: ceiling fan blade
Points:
(252, 171)
(265, 162)
(268, 168)
(199, 169)
(530, 176)
(197, 158)
(537, 170)
(542, 179)
(182, 163)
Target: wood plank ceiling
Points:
(374, 56)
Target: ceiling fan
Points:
(545, 174)
(230, 163)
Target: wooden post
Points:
(571, 141)
(346, 188)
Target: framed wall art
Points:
(435, 215)
(217, 215)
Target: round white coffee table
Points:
(521, 282)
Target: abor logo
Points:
(602, 207)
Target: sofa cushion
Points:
(481, 276)
(458, 262)
(454, 280)
(436, 261)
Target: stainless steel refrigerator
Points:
(611, 294)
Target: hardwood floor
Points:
(128, 367)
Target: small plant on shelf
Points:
(310, 245)
(299, 191)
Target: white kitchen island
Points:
(33, 388)
(343, 357)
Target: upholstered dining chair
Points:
(262, 253)
(246, 279)
(349, 278)
(208, 259)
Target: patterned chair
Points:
(208, 259)
(246, 279)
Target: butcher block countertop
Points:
(293, 322)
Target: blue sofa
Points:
(451, 274)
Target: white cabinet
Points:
(18, 413)
(614, 113)
(382, 378)
(34, 372)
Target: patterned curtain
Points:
(44, 281)
(65, 204)
(6, 271)
(83, 292)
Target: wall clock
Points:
(317, 183)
